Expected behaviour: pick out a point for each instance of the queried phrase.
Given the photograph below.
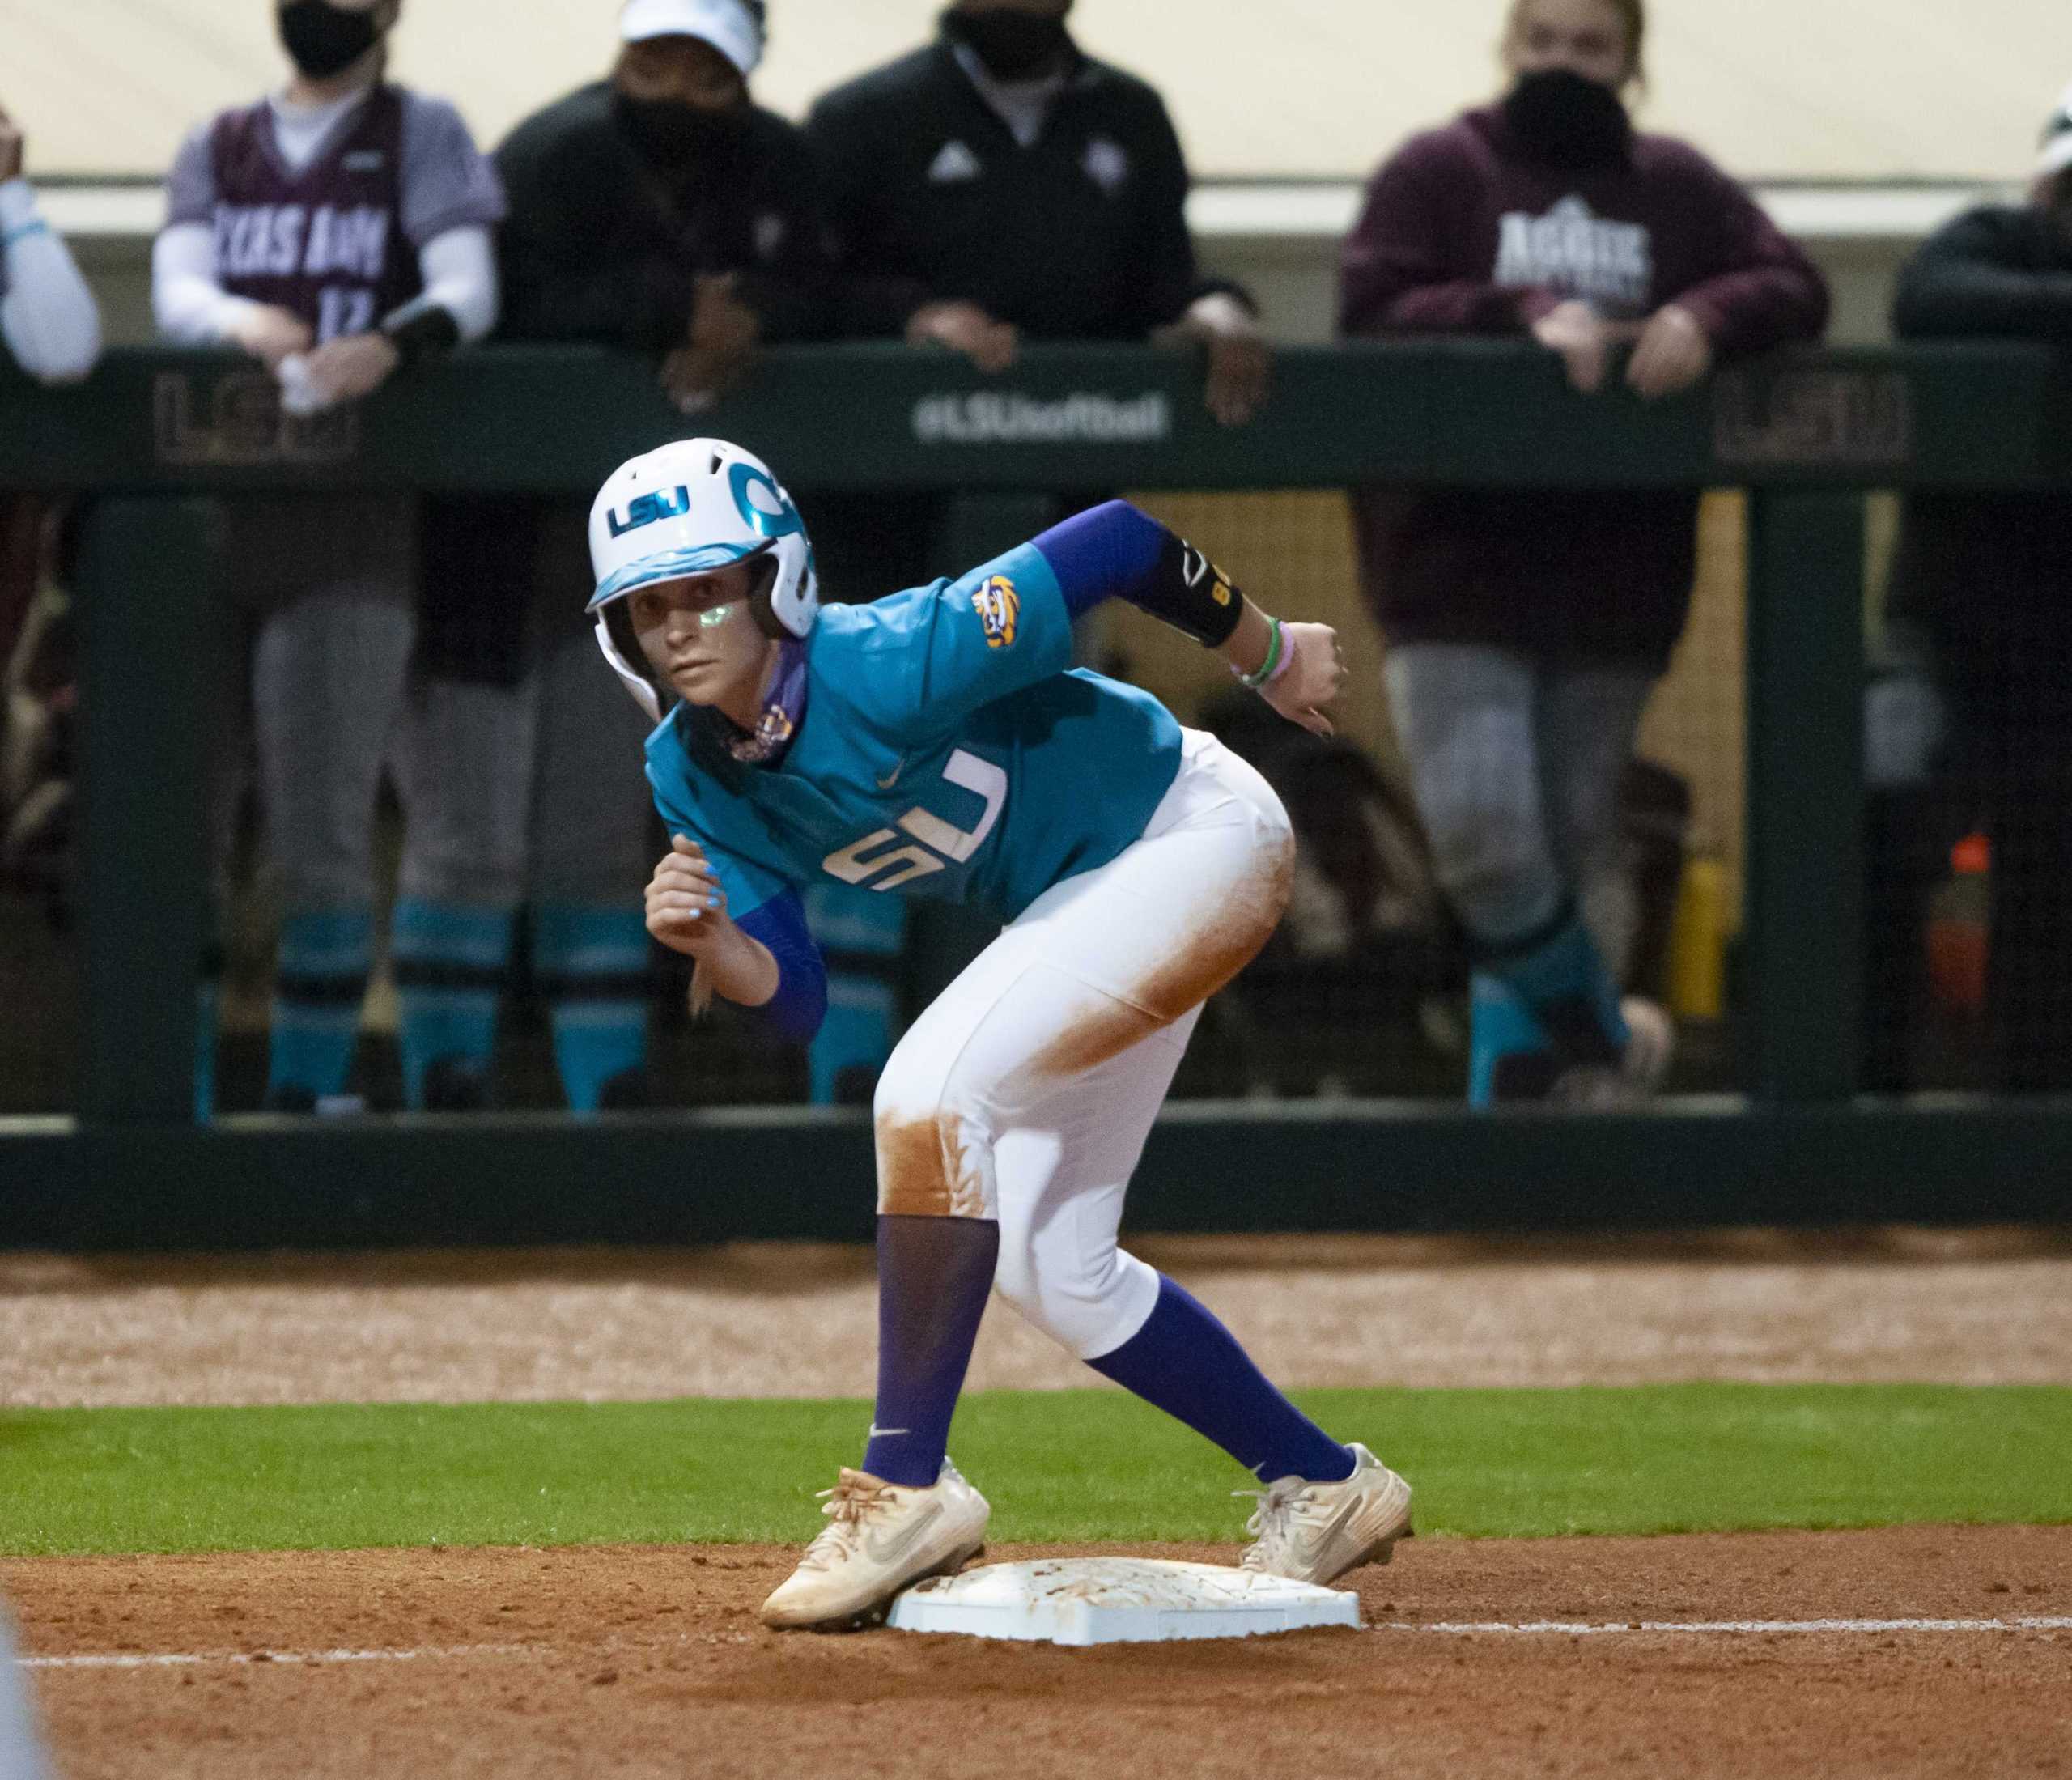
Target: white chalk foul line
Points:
(1725, 1628)
(1728, 1627)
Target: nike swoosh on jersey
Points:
(892, 778)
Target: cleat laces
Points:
(1285, 1506)
(849, 1503)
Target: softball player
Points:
(338, 231)
(936, 744)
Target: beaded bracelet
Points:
(1270, 668)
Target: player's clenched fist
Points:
(1313, 679)
(686, 908)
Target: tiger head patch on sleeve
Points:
(998, 608)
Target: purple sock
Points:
(933, 1276)
(1184, 1362)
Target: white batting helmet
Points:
(688, 508)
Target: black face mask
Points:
(1012, 45)
(323, 40)
(1567, 121)
(672, 135)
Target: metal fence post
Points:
(1804, 888)
(149, 619)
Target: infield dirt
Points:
(630, 1661)
(650, 1662)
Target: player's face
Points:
(1586, 37)
(700, 635)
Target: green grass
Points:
(1075, 1466)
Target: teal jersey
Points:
(947, 750)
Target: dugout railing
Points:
(154, 433)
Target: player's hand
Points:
(270, 334)
(725, 336)
(963, 327)
(1313, 679)
(686, 908)
(1578, 333)
(10, 149)
(1240, 360)
(1674, 352)
(348, 369)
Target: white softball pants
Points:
(1025, 1092)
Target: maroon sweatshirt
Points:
(1461, 233)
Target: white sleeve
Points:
(193, 309)
(459, 269)
(47, 314)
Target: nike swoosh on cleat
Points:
(1309, 1551)
(888, 1549)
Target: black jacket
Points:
(600, 246)
(1082, 235)
(1988, 577)
(1997, 272)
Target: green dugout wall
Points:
(154, 433)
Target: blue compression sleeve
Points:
(1107, 552)
(801, 1003)
(1115, 552)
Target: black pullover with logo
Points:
(1081, 235)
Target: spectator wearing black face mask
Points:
(1525, 628)
(1001, 184)
(662, 211)
(337, 232)
(996, 185)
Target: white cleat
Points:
(880, 1539)
(1315, 1532)
(1650, 1043)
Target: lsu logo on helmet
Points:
(650, 510)
(998, 608)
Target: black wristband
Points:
(1190, 593)
(423, 337)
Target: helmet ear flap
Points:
(762, 599)
(624, 653)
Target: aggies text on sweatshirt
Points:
(1464, 233)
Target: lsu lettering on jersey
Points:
(947, 750)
